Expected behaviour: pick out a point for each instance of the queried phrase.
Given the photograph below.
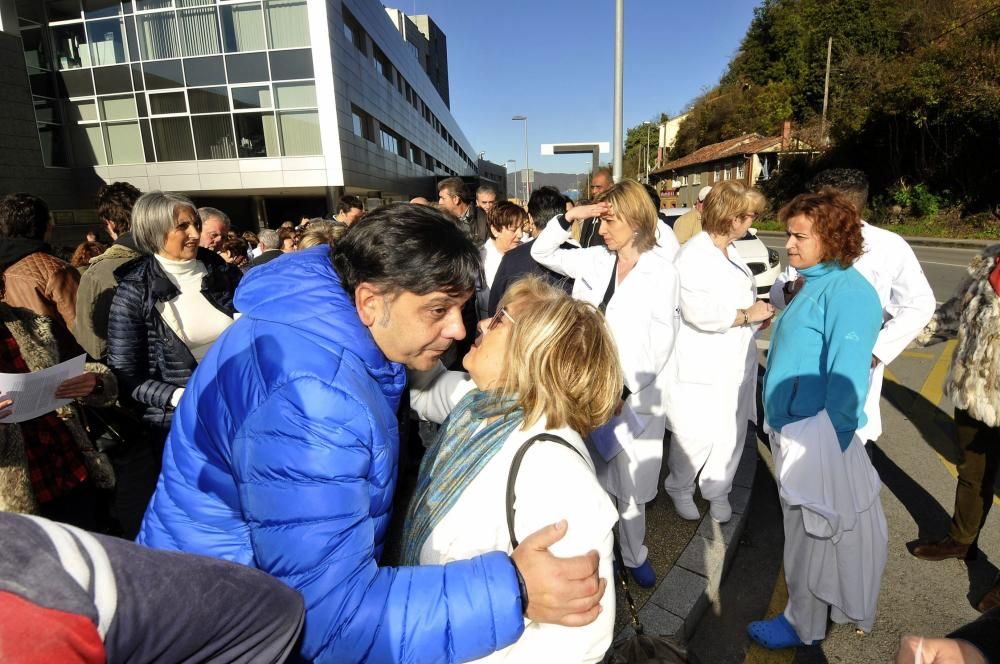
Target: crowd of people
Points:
(254, 399)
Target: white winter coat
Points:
(891, 267)
(477, 523)
(643, 319)
(712, 359)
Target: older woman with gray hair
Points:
(171, 304)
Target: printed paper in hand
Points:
(34, 393)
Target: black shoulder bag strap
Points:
(515, 465)
(610, 292)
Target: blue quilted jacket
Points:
(282, 456)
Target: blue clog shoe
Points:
(774, 634)
(643, 574)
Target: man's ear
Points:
(369, 302)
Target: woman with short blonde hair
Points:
(728, 201)
(322, 231)
(629, 201)
(544, 364)
(713, 371)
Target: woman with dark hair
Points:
(35, 278)
(815, 388)
(172, 303)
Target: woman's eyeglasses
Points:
(498, 319)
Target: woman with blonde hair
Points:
(713, 370)
(544, 364)
(633, 281)
(322, 231)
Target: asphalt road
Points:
(915, 458)
(944, 266)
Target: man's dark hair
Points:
(851, 182)
(23, 215)
(347, 203)
(653, 196)
(404, 247)
(114, 203)
(545, 203)
(455, 187)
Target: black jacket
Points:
(517, 263)
(148, 358)
(266, 257)
(589, 237)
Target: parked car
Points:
(762, 261)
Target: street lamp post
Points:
(649, 125)
(514, 161)
(527, 168)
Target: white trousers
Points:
(712, 462)
(836, 538)
(632, 533)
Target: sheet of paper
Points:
(34, 393)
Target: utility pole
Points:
(649, 125)
(826, 91)
(619, 89)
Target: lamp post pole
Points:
(649, 125)
(527, 168)
(513, 161)
(618, 145)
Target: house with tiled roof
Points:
(750, 158)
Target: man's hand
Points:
(937, 651)
(875, 361)
(5, 408)
(561, 591)
(78, 387)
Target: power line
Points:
(966, 22)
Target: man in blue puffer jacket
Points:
(283, 452)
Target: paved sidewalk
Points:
(690, 558)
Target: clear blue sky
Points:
(553, 60)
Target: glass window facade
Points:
(128, 81)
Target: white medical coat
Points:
(643, 320)
(712, 359)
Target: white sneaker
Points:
(720, 509)
(685, 507)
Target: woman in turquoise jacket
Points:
(814, 394)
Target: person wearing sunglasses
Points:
(544, 364)
(633, 281)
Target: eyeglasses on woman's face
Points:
(501, 317)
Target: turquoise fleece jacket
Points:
(821, 351)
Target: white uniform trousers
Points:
(836, 538)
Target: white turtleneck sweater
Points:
(190, 315)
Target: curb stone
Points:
(692, 584)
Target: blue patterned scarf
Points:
(454, 460)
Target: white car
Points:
(762, 261)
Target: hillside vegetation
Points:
(914, 98)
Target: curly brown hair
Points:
(835, 220)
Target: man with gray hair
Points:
(269, 242)
(486, 197)
(214, 226)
